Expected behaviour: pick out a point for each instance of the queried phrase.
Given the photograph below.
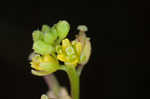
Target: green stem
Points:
(74, 81)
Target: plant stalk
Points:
(74, 81)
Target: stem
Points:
(74, 81)
(52, 83)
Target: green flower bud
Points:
(62, 27)
(44, 65)
(37, 35)
(50, 34)
(42, 48)
(53, 30)
(50, 38)
(45, 28)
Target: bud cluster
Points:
(50, 46)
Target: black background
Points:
(119, 31)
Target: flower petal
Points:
(48, 58)
(65, 44)
(39, 73)
(78, 48)
(61, 57)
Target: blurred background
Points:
(119, 32)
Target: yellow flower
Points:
(44, 65)
(69, 52)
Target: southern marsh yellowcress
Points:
(53, 51)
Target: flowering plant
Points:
(50, 46)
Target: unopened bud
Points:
(62, 27)
(37, 35)
(42, 48)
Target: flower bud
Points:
(37, 35)
(45, 28)
(50, 38)
(62, 27)
(42, 48)
(44, 65)
(49, 34)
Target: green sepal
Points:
(39, 73)
(82, 58)
(62, 27)
(59, 49)
(49, 67)
(42, 48)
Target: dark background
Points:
(119, 31)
